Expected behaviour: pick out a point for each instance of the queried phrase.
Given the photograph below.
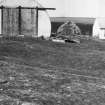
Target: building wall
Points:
(97, 31)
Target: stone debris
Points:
(68, 28)
(69, 32)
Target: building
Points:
(85, 24)
(24, 17)
(99, 28)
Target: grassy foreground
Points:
(38, 72)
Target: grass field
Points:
(39, 72)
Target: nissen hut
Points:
(24, 17)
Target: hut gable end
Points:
(20, 17)
(99, 28)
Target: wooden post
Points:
(37, 21)
(19, 19)
(2, 19)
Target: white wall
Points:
(96, 29)
(102, 34)
(97, 32)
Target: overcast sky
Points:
(76, 8)
(58, 4)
